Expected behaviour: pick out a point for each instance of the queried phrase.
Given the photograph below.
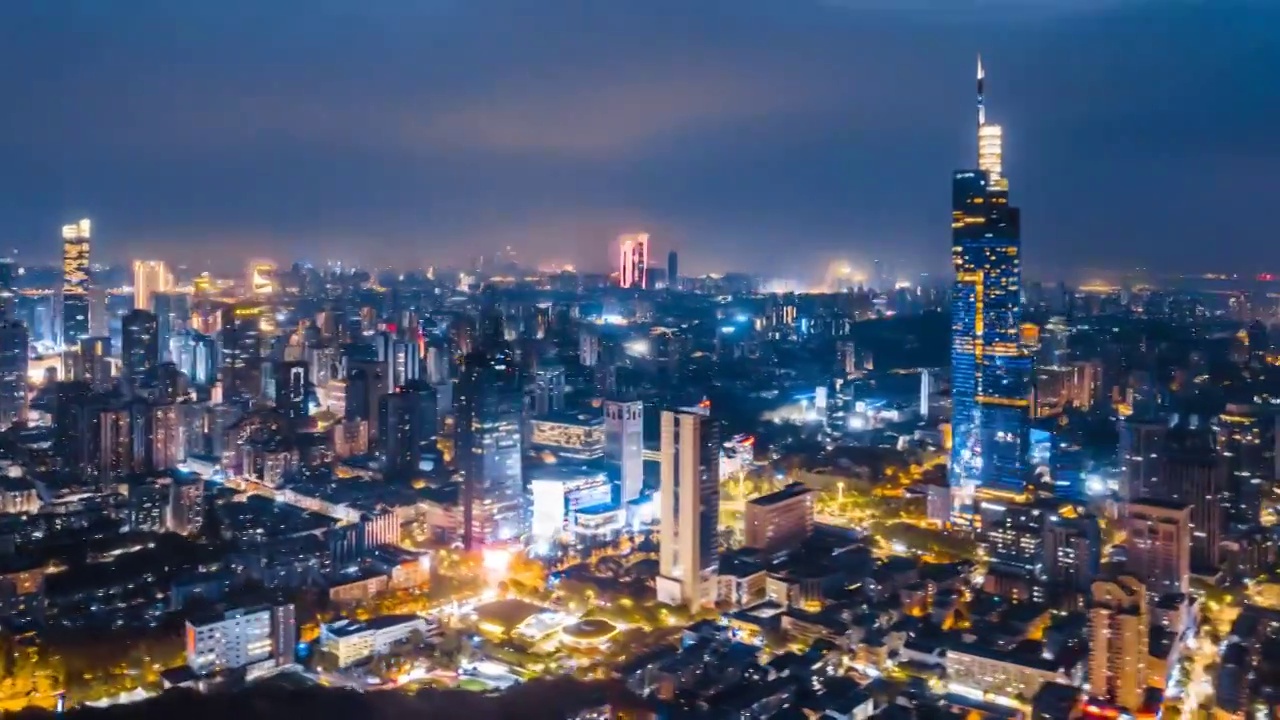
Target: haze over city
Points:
(415, 133)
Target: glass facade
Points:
(990, 370)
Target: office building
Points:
(292, 389)
(1142, 446)
(173, 316)
(1013, 535)
(408, 421)
(139, 347)
(351, 641)
(74, 297)
(624, 445)
(990, 368)
(488, 406)
(673, 270)
(779, 521)
(573, 437)
(1246, 438)
(242, 638)
(1194, 473)
(14, 344)
(690, 508)
(1158, 544)
(95, 363)
(149, 277)
(1073, 550)
(548, 390)
(559, 492)
(633, 260)
(186, 505)
(1118, 641)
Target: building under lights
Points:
(74, 297)
(990, 370)
(633, 260)
(690, 502)
(149, 277)
(559, 492)
(489, 406)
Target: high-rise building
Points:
(1246, 437)
(74, 298)
(673, 270)
(262, 278)
(173, 314)
(13, 372)
(779, 521)
(633, 260)
(990, 368)
(624, 445)
(292, 386)
(1194, 473)
(1158, 544)
(548, 390)
(95, 363)
(489, 406)
(186, 505)
(690, 508)
(1073, 550)
(1141, 449)
(139, 347)
(408, 420)
(149, 277)
(1119, 634)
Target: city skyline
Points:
(807, 125)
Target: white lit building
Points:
(242, 638)
(149, 277)
(559, 492)
(352, 641)
(690, 509)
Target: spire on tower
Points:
(982, 111)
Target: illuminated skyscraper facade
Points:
(633, 260)
(149, 277)
(489, 407)
(74, 320)
(990, 370)
(690, 508)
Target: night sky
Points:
(761, 135)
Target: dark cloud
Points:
(417, 131)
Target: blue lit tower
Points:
(990, 372)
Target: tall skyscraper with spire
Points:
(990, 371)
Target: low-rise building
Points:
(351, 641)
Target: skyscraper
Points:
(624, 445)
(13, 372)
(292, 385)
(149, 277)
(489, 447)
(139, 346)
(74, 306)
(408, 419)
(173, 313)
(95, 362)
(673, 270)
(1157, 544)
(690, 507)
(1118, 640)
(990, 370)
(633, 260)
